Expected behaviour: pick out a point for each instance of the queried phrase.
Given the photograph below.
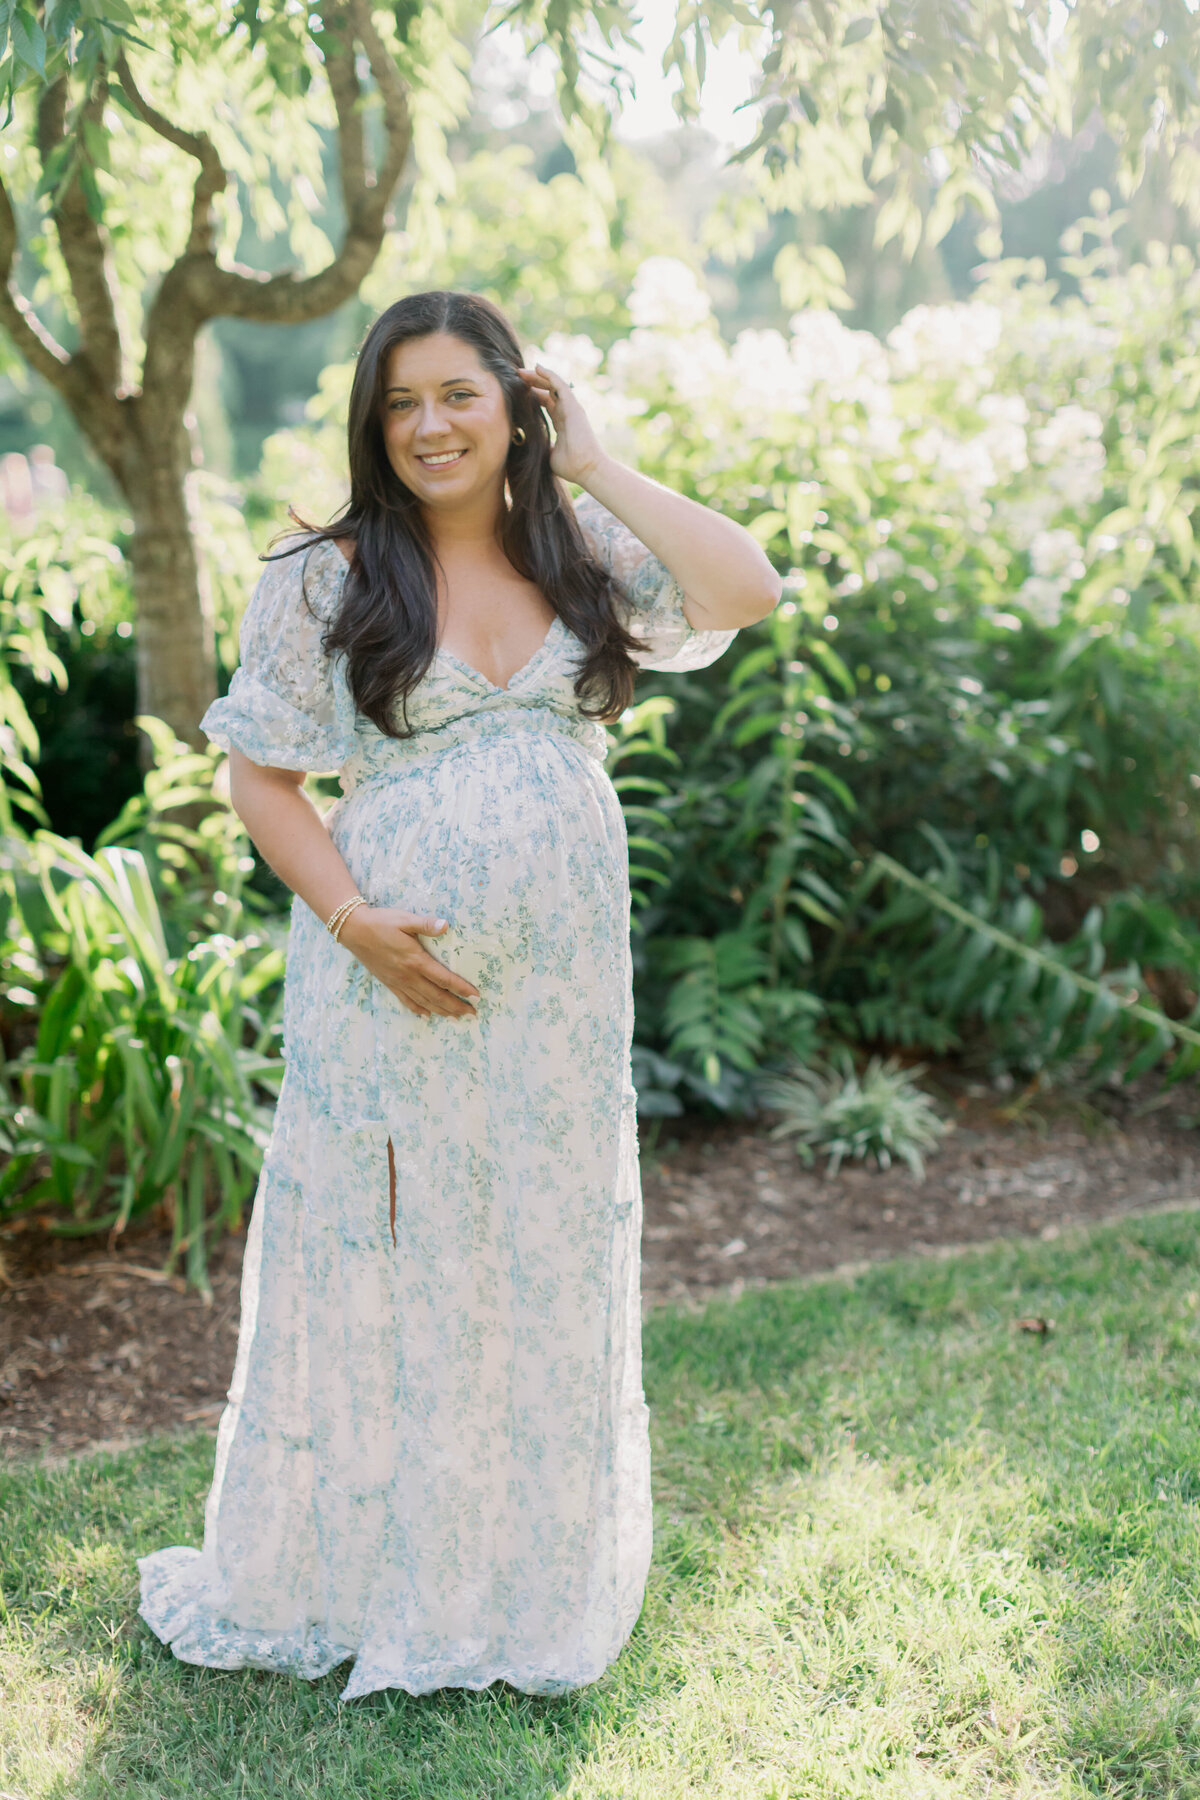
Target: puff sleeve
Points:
(654, 599)
(288, 705)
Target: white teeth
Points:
(447, 456)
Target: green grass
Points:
(901, 1550)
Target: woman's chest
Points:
(494, 624)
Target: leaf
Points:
(896, 110)
(91, 198)
(1179, 530)
(29, 41)
(804, 501)
(832, 663)
(767, 526)
(808, 102)
(833, 782)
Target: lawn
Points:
(902, 1548)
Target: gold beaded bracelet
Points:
(337, 912)
(339, 916)
(337, 932)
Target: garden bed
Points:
(95, 1348)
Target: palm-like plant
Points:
(836, 1111)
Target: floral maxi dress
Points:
(434, 1459)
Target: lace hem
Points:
(177, 1608)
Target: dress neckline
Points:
(529, 663)
(467, 668)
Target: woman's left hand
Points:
(577, 450)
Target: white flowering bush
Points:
(986, 664)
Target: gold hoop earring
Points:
(518, 436)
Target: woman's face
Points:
(446, 428)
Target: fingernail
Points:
(439, 924)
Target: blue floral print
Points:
(434, 1459)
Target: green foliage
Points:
(60, 576)
(1039, 1003)
(915, 115)
(879, 1114)
(989, 643)
(149, 1006)
(68, 650)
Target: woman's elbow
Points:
(759, 598)
(772, 592)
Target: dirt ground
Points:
(97, 1349)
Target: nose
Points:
(431, 420)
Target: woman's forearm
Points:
(289, 833)
(727, 578)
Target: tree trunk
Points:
(176, 649)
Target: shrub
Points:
(985, 670)
(148, 998)
(880, 1114)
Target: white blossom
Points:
(1042, 599)
(1066, 432)
(1004, 436)
(940, 341)
(667, 294)
(1057, 554)
(769, 379)
(692, 367)
(852, 365)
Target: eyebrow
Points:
(454, 381)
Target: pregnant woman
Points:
(434, 1459)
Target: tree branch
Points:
(39, 347)
(208, 291)
(81, 242)
(397, 124)
(212, 179)
(347, 101)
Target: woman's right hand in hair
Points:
(385, 940)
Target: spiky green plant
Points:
(146, 1078)
(146, 995)
(838, 1112)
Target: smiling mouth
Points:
(443, 460)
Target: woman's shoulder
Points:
(306, 547)
(611, 542)
(300, 569)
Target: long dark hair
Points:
(387, 621)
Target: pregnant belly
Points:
(517, 844)
(522, 848)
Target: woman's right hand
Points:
(385, 941)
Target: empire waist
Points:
(380, 759)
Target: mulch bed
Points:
(98, 1350)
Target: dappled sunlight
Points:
(55, 1711)
(879, 1630)
(902, 1548)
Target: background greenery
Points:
(942, 803)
